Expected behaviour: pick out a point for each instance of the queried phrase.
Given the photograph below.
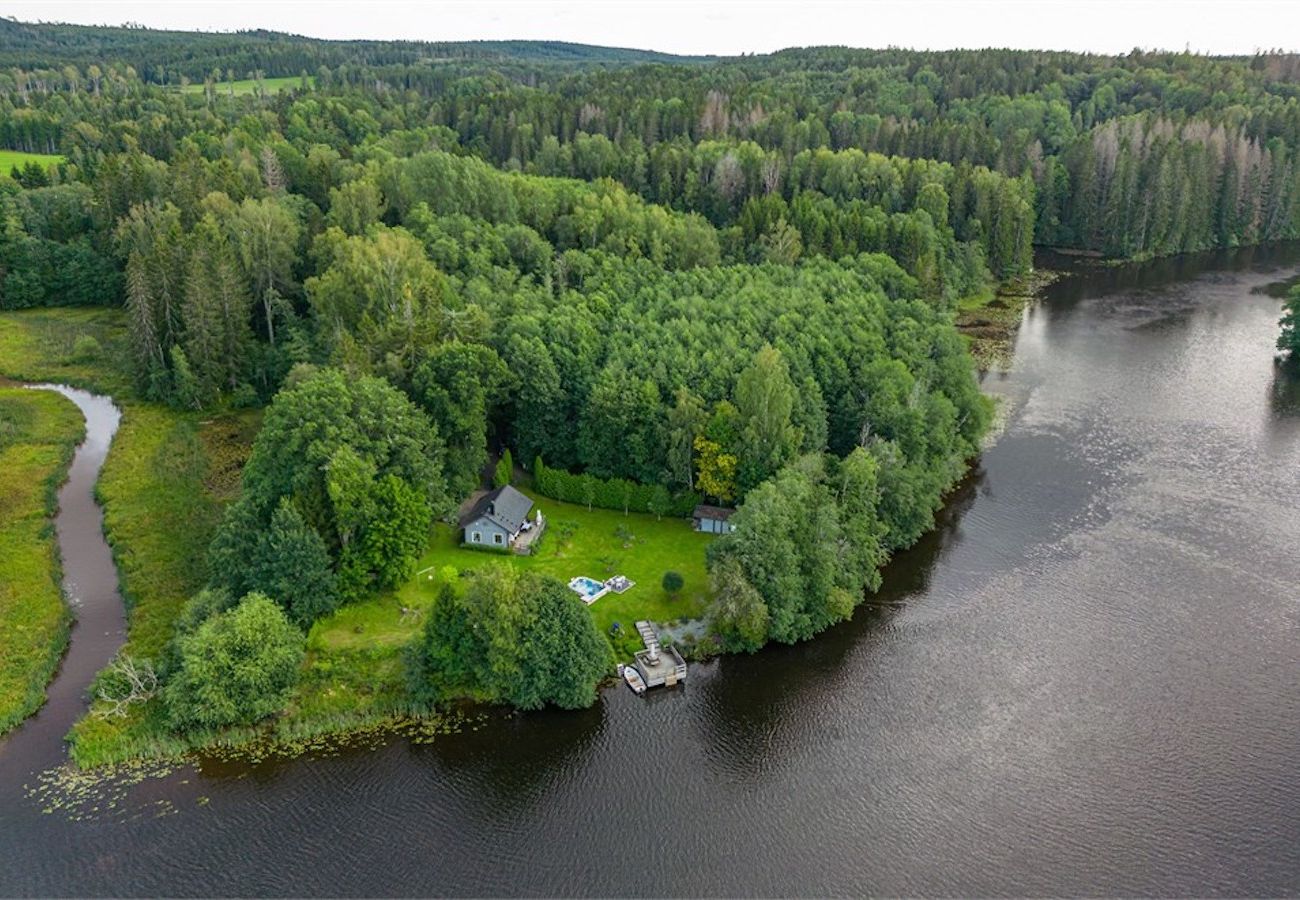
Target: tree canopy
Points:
(510, 636)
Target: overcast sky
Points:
(731, 26)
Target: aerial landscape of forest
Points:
(460, 385)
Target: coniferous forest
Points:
(655, 280)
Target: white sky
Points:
(731, 26)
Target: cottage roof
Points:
(504, 506)
(717, 513)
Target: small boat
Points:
(634, 679)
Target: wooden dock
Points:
(657, 665)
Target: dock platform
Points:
(658, 665)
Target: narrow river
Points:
(1086, 681)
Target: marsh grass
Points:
(39, 430)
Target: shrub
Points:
(235, 668)
(86, 349)
(673, 582)
(505, 470)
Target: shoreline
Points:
(989, 324)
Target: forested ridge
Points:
(669, 280)
(1144, 154)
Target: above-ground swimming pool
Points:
(589, 589)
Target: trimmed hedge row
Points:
(611, 493)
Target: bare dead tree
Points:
(127, 680)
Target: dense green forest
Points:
(672, 279)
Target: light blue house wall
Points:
(483, 531)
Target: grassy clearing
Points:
(11, 158)
(249, 85)
(363, 641)
(54, 345)
(38, 433)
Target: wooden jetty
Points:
(658, 665)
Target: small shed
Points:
(497, 517)
(713, 519)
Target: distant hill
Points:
(165, 56)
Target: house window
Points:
(497, 537)
(478, 537)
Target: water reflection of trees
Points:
(755, 708)
(1284, 390)
(516, 758)
(1090, 279)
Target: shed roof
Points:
(717, 513)
(504, 506)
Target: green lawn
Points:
(38, 432)
(365, 633)
(11, 158)
(249, 85)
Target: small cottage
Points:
(713, 519)
(497, 519)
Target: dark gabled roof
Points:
(504, 506)
(718, 513)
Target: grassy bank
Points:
(38, 432)
(354, 677)
(989, 321)
(82, 347)
(167, 478)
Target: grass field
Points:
(249, 85)
(38, 432)
(11, 158)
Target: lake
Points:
(1086, 680)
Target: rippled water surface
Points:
(1086, 681)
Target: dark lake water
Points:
(1086, 681)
